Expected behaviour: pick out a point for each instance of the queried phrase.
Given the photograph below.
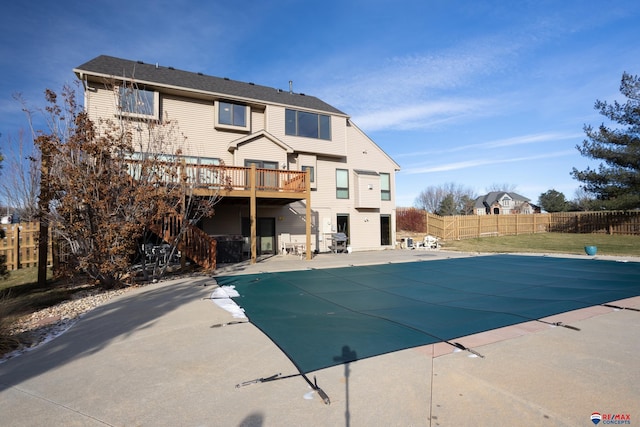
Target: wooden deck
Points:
(283, 186)
(234, 181)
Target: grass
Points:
(561, 243)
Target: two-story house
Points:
(301, 169)
(503, 203)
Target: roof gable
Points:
(233, 145)
(153, 74)
(495, 196)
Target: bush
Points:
(410, 220)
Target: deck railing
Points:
(229, 177)
(195, 243)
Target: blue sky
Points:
(470, 92)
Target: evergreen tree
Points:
(553, 201)
(616, 182)
(448, 206)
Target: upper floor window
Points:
(311, 172)
(309, 125)
(139, 102)
(342, 184)
(385, 186)
(506, 201)
(232, 116)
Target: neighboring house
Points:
(317, 172)
(503, 203)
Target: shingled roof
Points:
(152, 74)
(492, 197)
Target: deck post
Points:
(252, 213)
(307, 180)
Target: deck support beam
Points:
(308, 214)
(253, 214)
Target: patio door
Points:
(264, 179)
(385, 230)
(342, 224)
(265, 234)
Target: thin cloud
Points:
(414, 91)
(420, 115)
(499, 143)
(482, 162)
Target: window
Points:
(311, 172)
(138, 101)
(342, 184)
(309, 125)
(506, 201)
(200, 171)
(385, 186)
(264, 179)
(232, 116)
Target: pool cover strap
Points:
(275, 377)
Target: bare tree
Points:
(583, 200)
(110, 182)
(505, 186)
(431, 198)
(19, 187)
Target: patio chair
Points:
(430, 242)
(286, 246)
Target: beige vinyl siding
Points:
(335, 147)
(366, 190)
(258, 120)
(101, 103)
(194, 119)
(260, 149)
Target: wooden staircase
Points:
(195, 244)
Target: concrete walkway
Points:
(157, 356)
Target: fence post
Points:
(16, 246)
(610, 225)
(426, 222)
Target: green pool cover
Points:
(315, 315)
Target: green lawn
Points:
(550, 243)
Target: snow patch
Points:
(222, 295)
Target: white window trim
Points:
(156, 107)
(247, 115)
(383, 191)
